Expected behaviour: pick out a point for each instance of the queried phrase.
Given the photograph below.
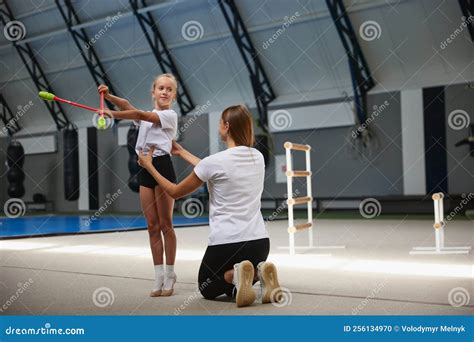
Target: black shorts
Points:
(220, 258)
(163, 165)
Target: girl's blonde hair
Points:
(171, 77)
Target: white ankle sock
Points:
(159, 277)
(170, 278)
(235, 277)
(169, 269)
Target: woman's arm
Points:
(121, 103)
(179, 150)
(187, 186)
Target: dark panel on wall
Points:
(435, 140)
(459, 101)
(92, 168)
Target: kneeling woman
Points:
(238, 240)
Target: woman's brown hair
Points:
(240, 125)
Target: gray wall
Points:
(460, 163)
(43, 174)
(336, 172)
(196, 140)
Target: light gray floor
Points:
(112, 273)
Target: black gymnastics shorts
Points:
(163, 165)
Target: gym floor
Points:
(111, 273)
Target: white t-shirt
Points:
(235, 181)
(151, 134)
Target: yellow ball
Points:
(101, 123)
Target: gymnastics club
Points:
(51, 97)
(101, 122)
(101, 108)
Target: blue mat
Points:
(62, 225)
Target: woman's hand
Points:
(146, 160)
(103, 89)
(176, 148)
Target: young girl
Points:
(157, 128)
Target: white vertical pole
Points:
(441, 208)
(309, 192)
(289, 184)
(436, 211)
(437, 222)
(437, 239)
(441, 220)
(441, 237)
(292, 243)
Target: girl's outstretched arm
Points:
(135, 114)
(121, 103)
